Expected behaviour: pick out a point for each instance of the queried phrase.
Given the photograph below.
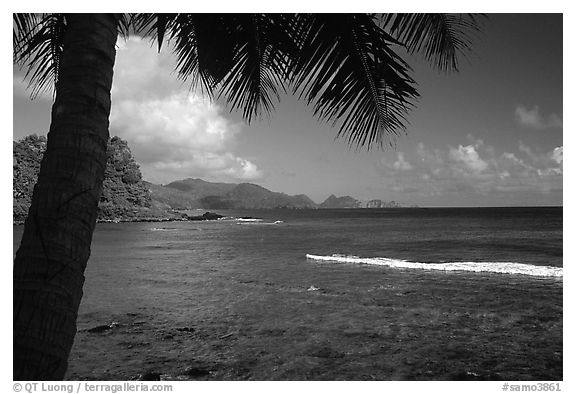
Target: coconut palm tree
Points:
(346, 66)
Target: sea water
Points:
(292, 245)
(324, 269)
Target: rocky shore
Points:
(171, 217)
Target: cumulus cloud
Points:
(557, 154)
(205, 164)
(534, 119)
(467, 156)
(401, 163)
(475, 170)
(173, 132)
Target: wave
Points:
(257, 221)
(494, 267)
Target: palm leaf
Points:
(125, 25)
(241, 56)
(154, 25)
(349, 73)
(38, 48)
(203, 49)
(440, 37)
(24, 26)
(260, 47)
(193, 38)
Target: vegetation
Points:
(197, 193)
(28, 154)
(124, 195)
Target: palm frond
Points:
(125, 25)
(155, 25)
(202, 49)
(349, 73)
(23, 26)
(240, 56)
(39, 49)
(192, 41)
(260, 47)
(440, 37)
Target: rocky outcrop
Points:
(382, 204)
(334, 202)
(205, 216)
(388, 204)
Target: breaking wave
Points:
(494, 267)
(257, 221)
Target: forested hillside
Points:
(124, 197)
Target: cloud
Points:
(467, 156)
(401, 163)
(522, 147)
(557, 154)
(533, 119)
(475, 172)
(206, 165)
(179, 122)
(244, 170)
(172, 131)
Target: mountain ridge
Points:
(193, 193)
(196, 193)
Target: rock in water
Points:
(98, 329)
(212, 216)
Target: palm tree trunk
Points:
(50, 263)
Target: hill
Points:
(124, 197)
(197, 193)
(170, 198)
(198, 188)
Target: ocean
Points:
(354, 294)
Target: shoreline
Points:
(183, 218)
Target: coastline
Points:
(153, 219)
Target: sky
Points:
(490, 135)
